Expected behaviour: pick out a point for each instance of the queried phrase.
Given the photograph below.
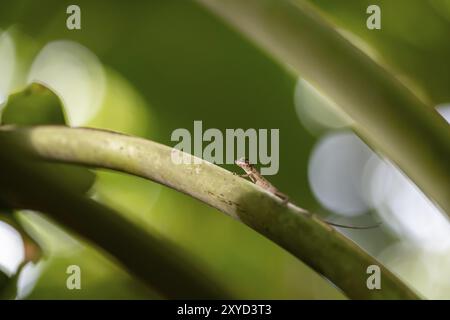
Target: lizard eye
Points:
(243, 161)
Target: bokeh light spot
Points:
(335, 170)
(75, 74)
(12, 252)
(7, 65)
(315, 110)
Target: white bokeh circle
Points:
(335, 172)
(75, 74)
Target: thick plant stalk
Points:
(156, 261)
(388, 116)
(308, 238)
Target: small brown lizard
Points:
(256, 177)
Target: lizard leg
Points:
(246, 175)
(283, 197)
(250, 176)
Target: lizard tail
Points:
(354, 227)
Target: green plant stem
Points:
(154, 260)
(386, 114)
(312, 241)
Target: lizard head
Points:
(242, 162)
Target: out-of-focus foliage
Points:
(36, 105)
(413, 41)
(8, 286)
(33, 106)
(3, 280)
(100, 278)
(170, 62)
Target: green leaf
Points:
(79, 179)
(8, 285)
(4, 279)
(35, 105)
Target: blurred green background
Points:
(154, 66)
